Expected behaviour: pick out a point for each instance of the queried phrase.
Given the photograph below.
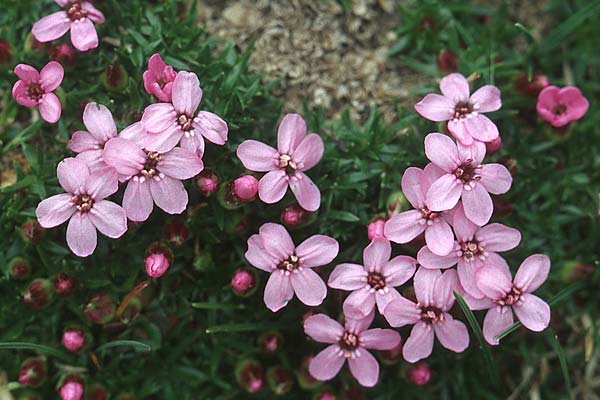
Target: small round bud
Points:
(531, 87)
(270, 342)
(65, 285)
(100, 309)
(493, 146)
(280, 380)
(32, 231)
(207, 182)
(250, 375)
(176, 233)
(71, 388)
(446, 61)
(33, 372)
(115, 77)
(73, 339)
(96, 392)
(419, 374)
(375, 228)
(243, 282)
(245, 188)
(156, 265)
(294, 216)
(39, 293)
(19, 268)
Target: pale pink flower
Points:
(464, 178)
(505, 295)
(272, 250)
(474, 248)
(158, 78)
(404, 227)
(435, 297)
(349, 342)
(560, 106)
(373, 283)
(154, 177)
(84, 203)
(296, 152)
(170, 123)
(78, 16)
(37, 89)
(463, 112)
(100, 129)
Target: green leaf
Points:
(217, 306)
(125, 343)
(243, 327)
(560, 352)
(36, 347)
(343, 216)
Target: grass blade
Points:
(248, 327)
(560, 352)
(125, 343)
(37, 347)
(217, 306)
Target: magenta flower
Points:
(404, 227)
(85, 205)
(169, 123)
(463, 113)
(560, 106)
(100, 129)
(37, 89)
(435, 297)
(158, 78)
(154, 177)
(464, 178)
(78, 16)
(474, 248)
(349, 342)
(272, 250)
(373, 283)
(296, 152)
(504, 294)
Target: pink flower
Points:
(157, 264)
(375, 228)
(504, 294)
(430, 316)
(559, 106)
(158, 78)
(296, 152)
(464, 178)
(474, 248)
(100, 129)
(154, 177)
(404, 227)
(85, 205)
(37, 89)
(78, 16)
(349, 342)
(463, 113)
(170, 123)
(373, 283)
(273, 251)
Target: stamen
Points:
(290, 264)
(75, 12)
(376, 280)
(186, 123)
(35, 91)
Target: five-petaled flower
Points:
(84, 203)
(296, 152)
(435, 297)
(37, 89)
(348, 342)
(77, 16)
(158, 78)
(375, 282)
(463, 112)
(560, 106)
(273, 251)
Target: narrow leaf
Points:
(36, 347)
(124, 343)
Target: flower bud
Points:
(32, 231)
(493, 146)
(176, 233)
(427, 23)
(157, 264)
(63, 53)
(245, 188)
(280, 380)
(305, 379)
(19, 269)
(96, 392)
(250, 375)
(419, 374)
(531, 88)
(207, 182)
(65, 285)
(243, 282)
(5, 52)
(294, 216)
(33, 372)
(270, 342)
(73, 339)
(39, 293)
(115, 77)
(375, 228)
(71, 388)
(446, 61)
(397, 203)
(100, 309)
(325, 394)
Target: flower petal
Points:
(455, 87)
(81, 235)
(498, 237)
(278, 291)
(430, 260)
(212, 127)
(495, 178)
(577, 105)
(109, 218)
(473, 154)
(377, 254)
(180, 164)
(308, 286)
(290, 133)
(348, 277)
(492, 281)
(50, 108)
(51, 27)
(73, 175)
(439, 237)
(441, 151)
(481, 128)
(458, 129)
(258, 256)
(83, 34)
(82, 141)
(496, 321)
(382, 299)
(102, 183)
(21, 95)
(124, 156)
(51, 76)
(309, 152)
(93, 13)
(532, 273)
(424, 284)
(464, 228)
(444, 193)
(487, 99)
(379, 339)
(404, 227)
(54, 210)
(187, 93)
(477, 204)
(431, 173)
(452, 334)
(401, 311)
(399, 270)
(327, 363)
(323, 329)
(159, 117)
(533, 312)
(411, 187)
(419, 344)
(169, 195)
(359, 303)
(137, 200)
(306, 192)
(99, 121)
(276, 240)
(317, 250)
(364, 368)
(443, 292)
(272, 186)
(257, 156)
(466, 275)
(435, 107)
(164, 141)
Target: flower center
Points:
(75, 12)
(431, 315)
(462, 109)
(35, 91)
(290, 264)
(376, 280)
(82, 202)
(152, 160)
(467, 172)
(511, 297)
(428, 214)
(286, 162)
(348, 343)
(471, 249)
(185, 122)
(559, 109)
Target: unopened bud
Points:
(33, 372)
(375, 228)
(280, 380)
(176, 233)
(446, 61)
(39, 293)
(157, 264)
(207, 182)
(115, 77)
(245, 188)
(32, 231)
(294, 216)
(96, 392)
(419, 374)
(71, 388)
(243, 282)
(5, 52)
(531, 87)
(65, 285)
(63, 53)
(19, 269)
(250, 375)
(73, 339)
(270, 342)
(100, 309)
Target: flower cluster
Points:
(452, 208)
